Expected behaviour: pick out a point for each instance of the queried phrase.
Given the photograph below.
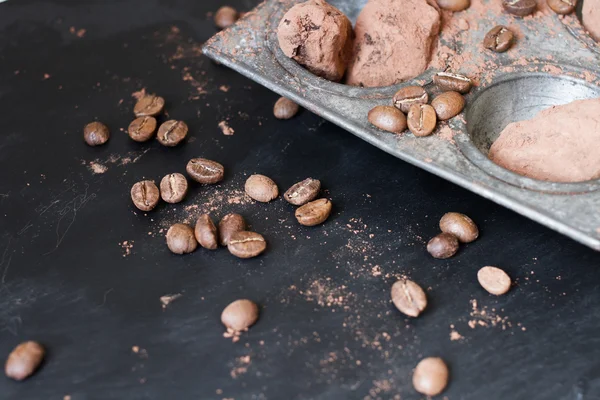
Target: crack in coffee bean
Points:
(408, 297)
(447, 81)
(145, 195)
(498, 39)
(520, 8)
(173, 188)
(142, 128)
(149, 105)
(562, 7)
(246, 244)
(314, 213)
(230, 224)
(172, 132)
(205, 171)
(421, 119)
(409, 95)
(303, 192)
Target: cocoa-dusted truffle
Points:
(318, 36)
(394, 41)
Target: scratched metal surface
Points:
(64, 280)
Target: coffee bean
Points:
(240, 315)
(173, 188)
(388, 118)
(145, 195)
(448, 105)
(494, 280)
(205, 171)
(142, 128)
(230, 224)
(285, 108)
(24, 360)
(562, 7)
(149, 105)
(314, 213)
(409, 95)
(206, 232)
(421, 119)
(408, 297)
(245, 244)
(454, 5)
(431, 376)
(303, 192)
(261, 188)
(459, 225)
(172, 132)
(520, 8)
(225, 17)
(181, 239)
(498, 39)
(449, 82)
(443, 246)
(96, 133)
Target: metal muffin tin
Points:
(562, 66)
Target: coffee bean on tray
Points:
(142, 128)
(96, 133)
(205, 171)
(520, 8)
(431, 376)
(314, 213)
(494, 280)
(206, 232)
(421, 119)
(409, 95)
(459, 225)
(172, 132)
(240, 315)
(245, 244)
(443, 246)
(261, 188)
(408, 297)
(448, 105)
(388, 118)
(450, 82)
(498, 39)
(230, 224)
(24, 360)
(145, 195)
(303, 192)
(149, 105)
(285, 108)
(225, 17)
(454, 5)
(562, 7)
(173, 188)
(181, 239)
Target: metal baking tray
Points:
(553, 62)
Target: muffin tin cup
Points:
(457, 151)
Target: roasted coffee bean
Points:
(172, 132)
(448, 105)
(314, 213)
(205, 171)
(225, 17)
(449, 82)
(145, 195)
(96, 133)
(303, 192)
(409, 95)
(180, 239)
(240, 315)
(443, 246)
(388, 118)
(520, 8)
(498, 39)
(206, 232)
(261, 188)
(285, 108)
(149, 105)
(431, 376)
(421, 119)
(494, 280)
(408, 297)
(142, 129)
(173, 188)
(454, 5)
(459, 225)
(24, 360)
(245, 244)
(230, 224)
(562, 7)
